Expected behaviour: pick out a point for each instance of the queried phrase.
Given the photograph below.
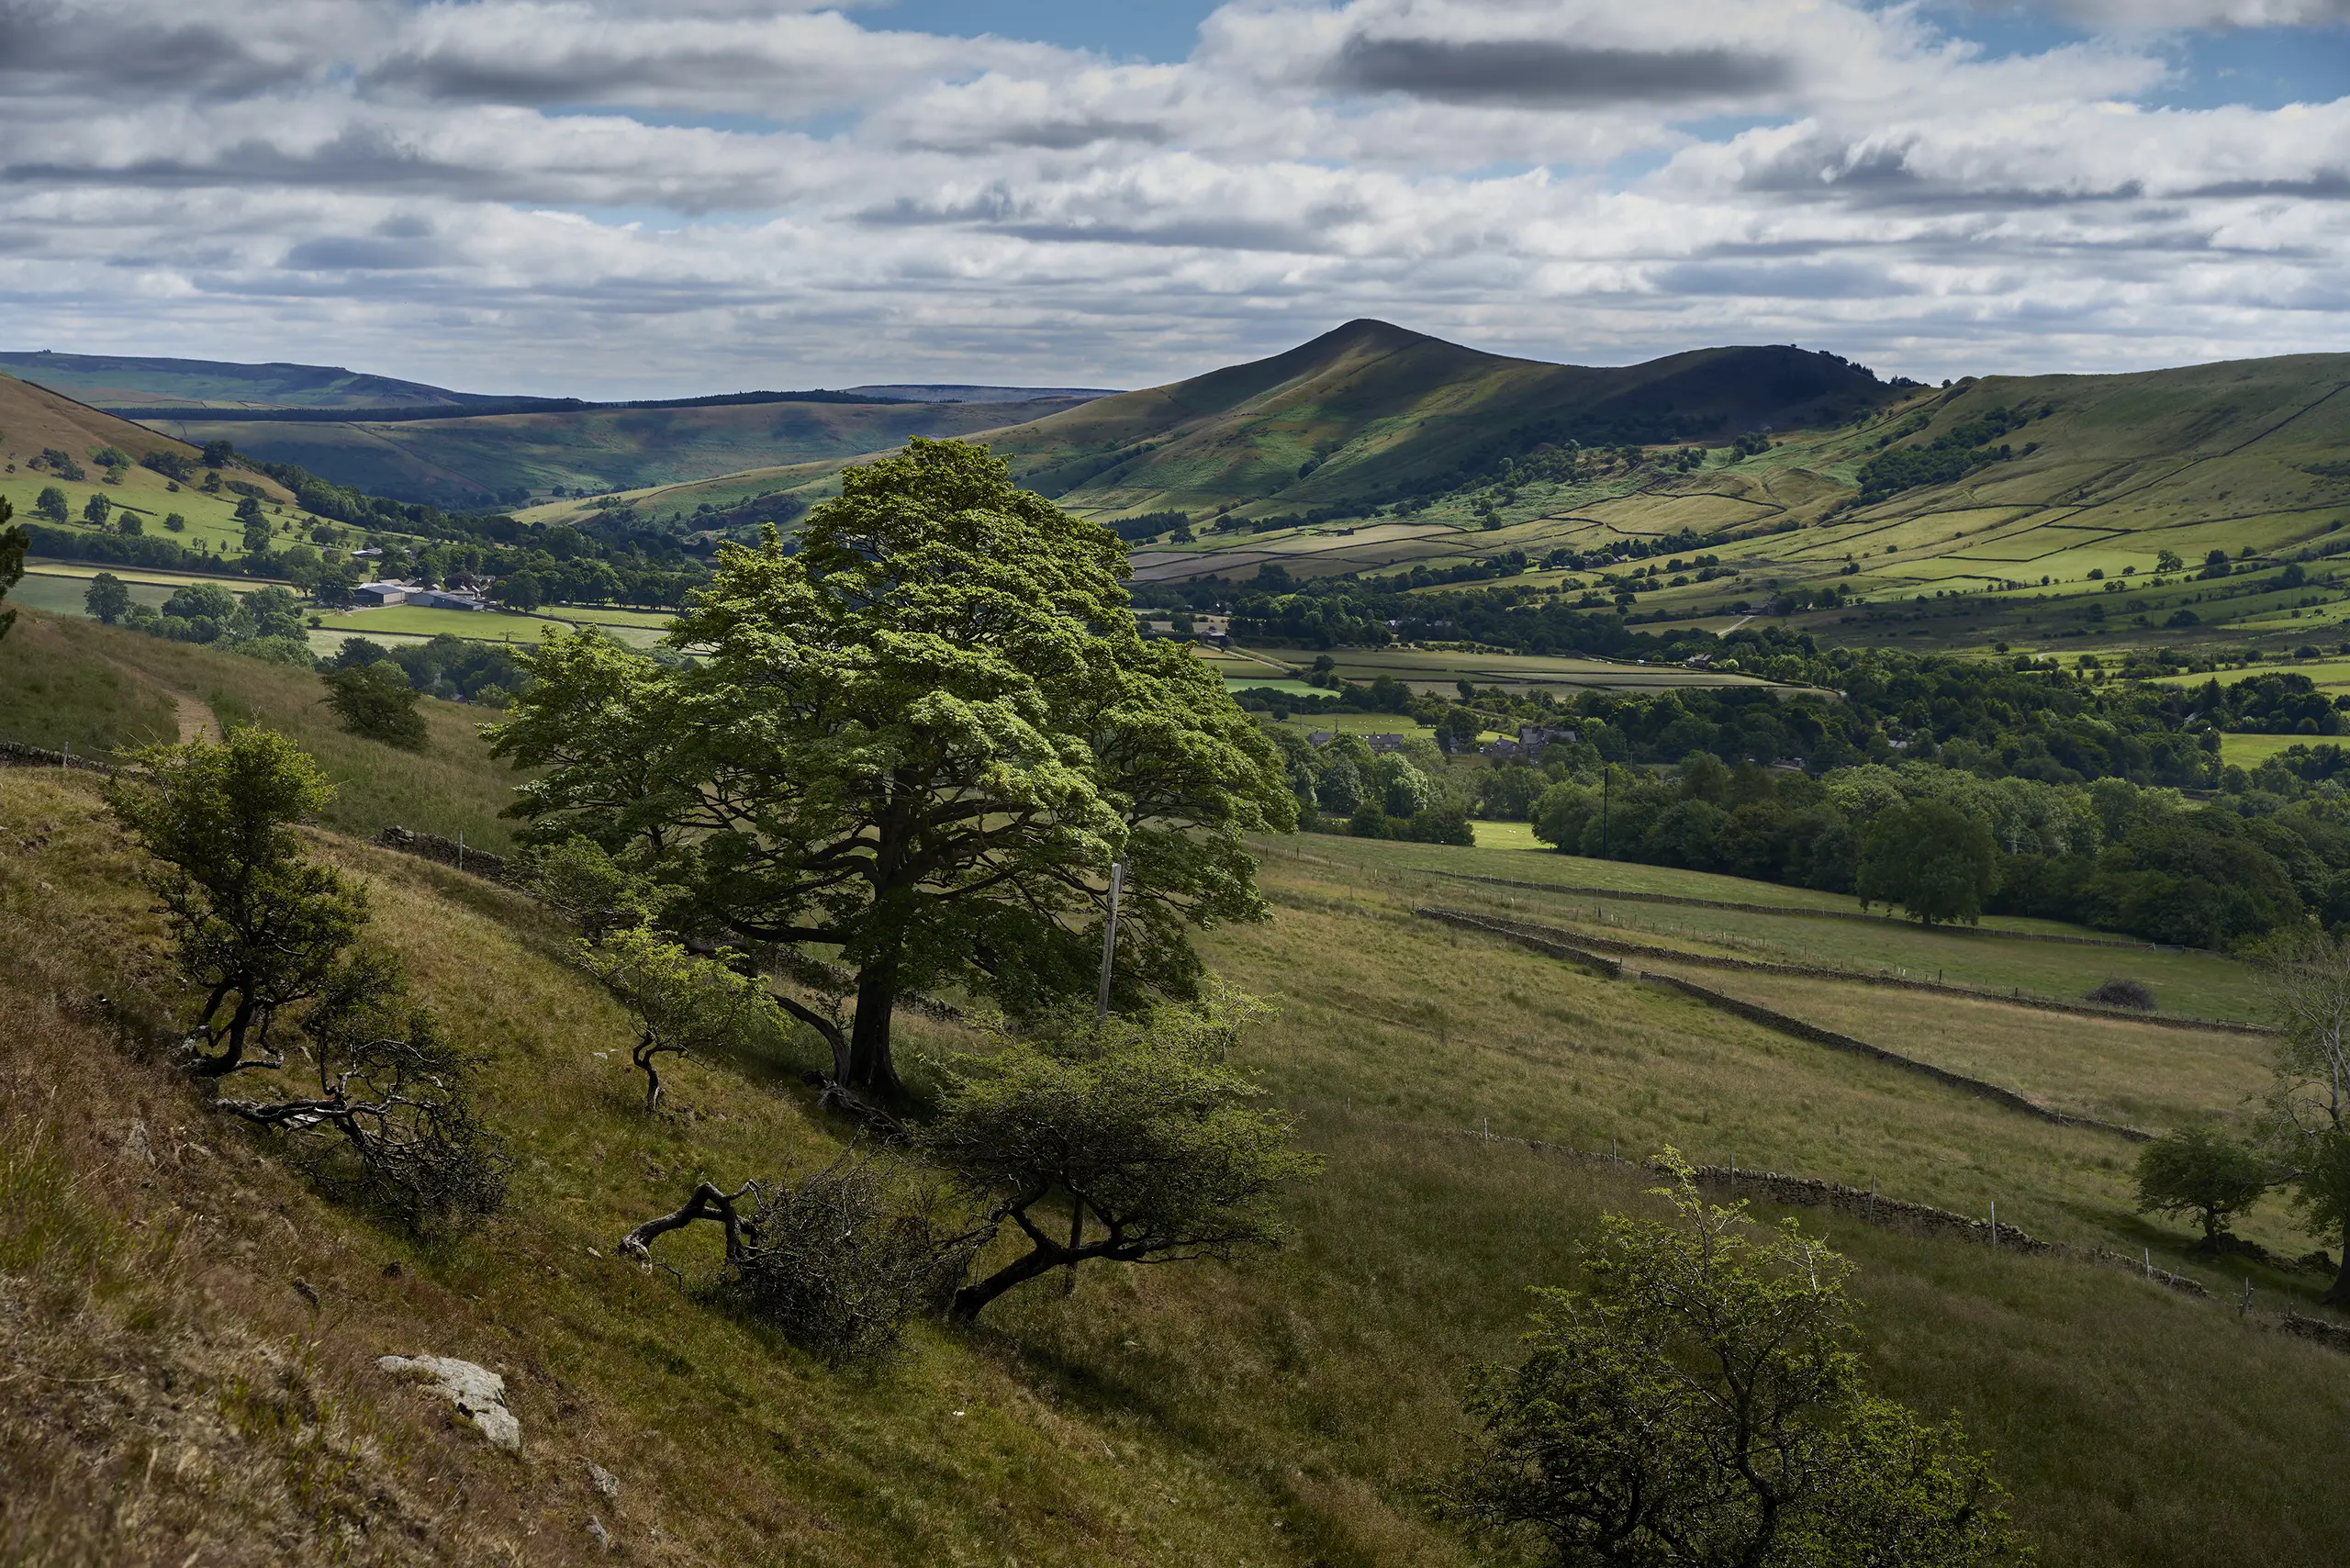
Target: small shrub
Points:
(840, 1260)
(2132, 995)
(391, 1127)
(376, 702)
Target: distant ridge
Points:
(949, 392)
(487, 407)
(186, 385)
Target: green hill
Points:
(1371, 412)
(472, 461)
(131, 380)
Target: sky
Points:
(659, 198)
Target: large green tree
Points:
(1932, 858)
(922, 738)
(14, 543)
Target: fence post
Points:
(2244, 1305)
(1488, 1123)
(1995, 1225)
(1872, 1216)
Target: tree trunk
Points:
(871, 1069)
(972, 1299)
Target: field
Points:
(1284, 1411)
(58, 588)
(1998, 957)
(1440, 670)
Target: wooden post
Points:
(1995, 1225)
(1109, 940)
(461, 850)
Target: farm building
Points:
(446, 598)
(378, 594)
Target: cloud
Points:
(633, 196)
(1532, 73)
(2151, 14)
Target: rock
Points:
(596, 1527)
(137, 1145)
(606, 1483)
(475, 1390)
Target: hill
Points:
(1283, 1411)
(135, 380)
(472, 461)
(35, 421)
(1370, 412)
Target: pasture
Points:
(2000, 956)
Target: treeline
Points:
(1841, 708)
(1948, 458)
(1345, 787)
(2272, 851)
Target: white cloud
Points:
(641, 197)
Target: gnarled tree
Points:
(921, 738)
(682, 1003)
(839, 1259)
(259, 927)
(391, 1112)
(1148, 1140)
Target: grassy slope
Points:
(2192, 459)
(2193, 985)
(2189, 460)
(100, 687)
(1276, 1413)
(622, 448)
(32, 418)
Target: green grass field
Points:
(2193, 984)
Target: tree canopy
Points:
(2310, 1102)
(921, 737)
(1932, 859)
(375, 701)
(2200, 1171)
